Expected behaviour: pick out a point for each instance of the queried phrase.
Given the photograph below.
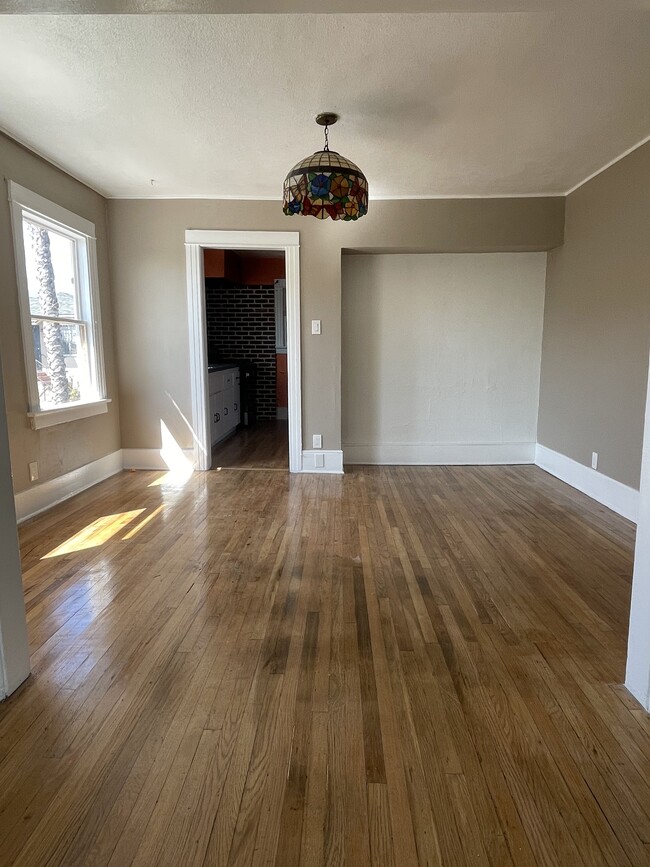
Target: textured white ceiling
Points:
(431, 104)
(68, 7)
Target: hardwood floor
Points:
(401, 666)
(265, 446)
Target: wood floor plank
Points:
(402, 666)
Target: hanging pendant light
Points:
(326, 184)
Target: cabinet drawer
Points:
(221, 379)
(215, 382)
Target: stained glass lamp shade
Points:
(326, 184)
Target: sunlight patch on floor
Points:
(95, 533)
(143, 523)
(172, 479)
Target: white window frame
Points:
(26, 204)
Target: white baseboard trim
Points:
(152, 459)
(332, 461)
(641, 693)
(434, 454)
(616, 496)
(42, 497)
(35, 500)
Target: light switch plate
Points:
(317, 441)
(315, 326)
(33, 471)
(594, 460)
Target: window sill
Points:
(48, 417)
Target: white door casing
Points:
(637, 674)
(196, 240)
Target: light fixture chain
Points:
(327, 141)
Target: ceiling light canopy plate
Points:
(326, 184)
(326, 118)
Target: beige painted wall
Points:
(64, 447)
(440, 349)
(14, 646)
(597, 323)
(149, 288)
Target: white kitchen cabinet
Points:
(217, 425)
(224, 403)
(280, 287)
(236, 399)
(229, 406)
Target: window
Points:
(57, 283)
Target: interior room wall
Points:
(63, 447)
(14, 646)
(441, 357)
(597, 323)
(149, 284)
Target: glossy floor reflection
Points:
(264, 446)
(396, 667)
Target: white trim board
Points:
(616, 496)
(35, 500)
(51, 211)
(150, 459)
(322, 461)
(13, 136)
(214, 197)
(637, 671)
(41, 497)
(608, 165)
(25, 204)
(234, 240)
(436, 454)
(226, 198)
(196, 240)
(51, 417)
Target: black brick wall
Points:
(241, 324)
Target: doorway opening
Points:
(245, 295)
(224, 371)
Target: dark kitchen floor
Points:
(264, 446)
